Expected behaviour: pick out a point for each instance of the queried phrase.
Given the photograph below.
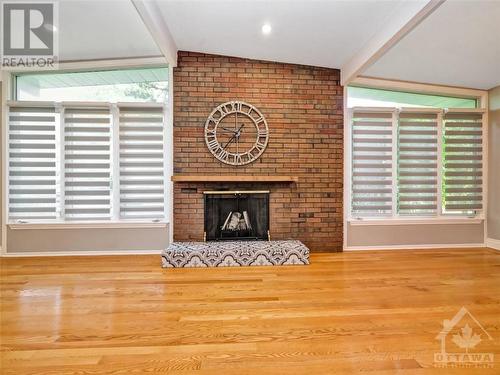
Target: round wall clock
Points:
(236, 133)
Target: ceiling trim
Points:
(154, 22)
(399, 25)
(100, 64)
(422, 86)
(419, 87)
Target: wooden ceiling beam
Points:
(154, 22)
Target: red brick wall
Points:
(304, 110)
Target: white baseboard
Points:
(415, 247)
(493, 243)
(80, 253)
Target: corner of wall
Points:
(4, 86)
(493, 244)
(493, 215)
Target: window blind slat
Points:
(420, 190)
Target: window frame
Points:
(8, 94)
(15, 75)
(481, 97)
(395, 213)
(114, 189)
(404, 102)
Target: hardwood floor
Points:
(375, 312)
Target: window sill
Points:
(90, 225)
(416, 221)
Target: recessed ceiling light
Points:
(266, 29)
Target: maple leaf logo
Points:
(467, 339)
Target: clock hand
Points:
(238, 132)
(238, 144)
(236, 135)
(228, 142)
(229, 130)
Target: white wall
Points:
(494, 165)
(415, 235)
(1, 165)
(86, 239)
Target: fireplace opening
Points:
(236, 215)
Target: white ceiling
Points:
(92, 29)
(320, 33)
(458, 45)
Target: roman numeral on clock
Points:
(222, 154)
(260, 146)
(213, 120)
(213, 144)
(223, 111)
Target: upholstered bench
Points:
(235, 254)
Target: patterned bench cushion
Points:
(235, 254)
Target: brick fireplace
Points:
(304, 111)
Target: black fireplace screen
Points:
(236, 215)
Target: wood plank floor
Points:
(371, 312)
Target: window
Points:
(372, 163)
(422, 162)
(85, 162)
(124, 85)
(417, 162)
(142, 152)
(34, 168)
(463, 150)
(87, 146)
(370, 97)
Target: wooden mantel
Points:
(233, 178)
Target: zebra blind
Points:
(418, 163)
(141, 144)
(33, 172)
(87, 163)
(372, 182)
(463, 140)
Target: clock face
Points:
(236, 133)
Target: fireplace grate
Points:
(236, 215)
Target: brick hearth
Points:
(303, 107)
